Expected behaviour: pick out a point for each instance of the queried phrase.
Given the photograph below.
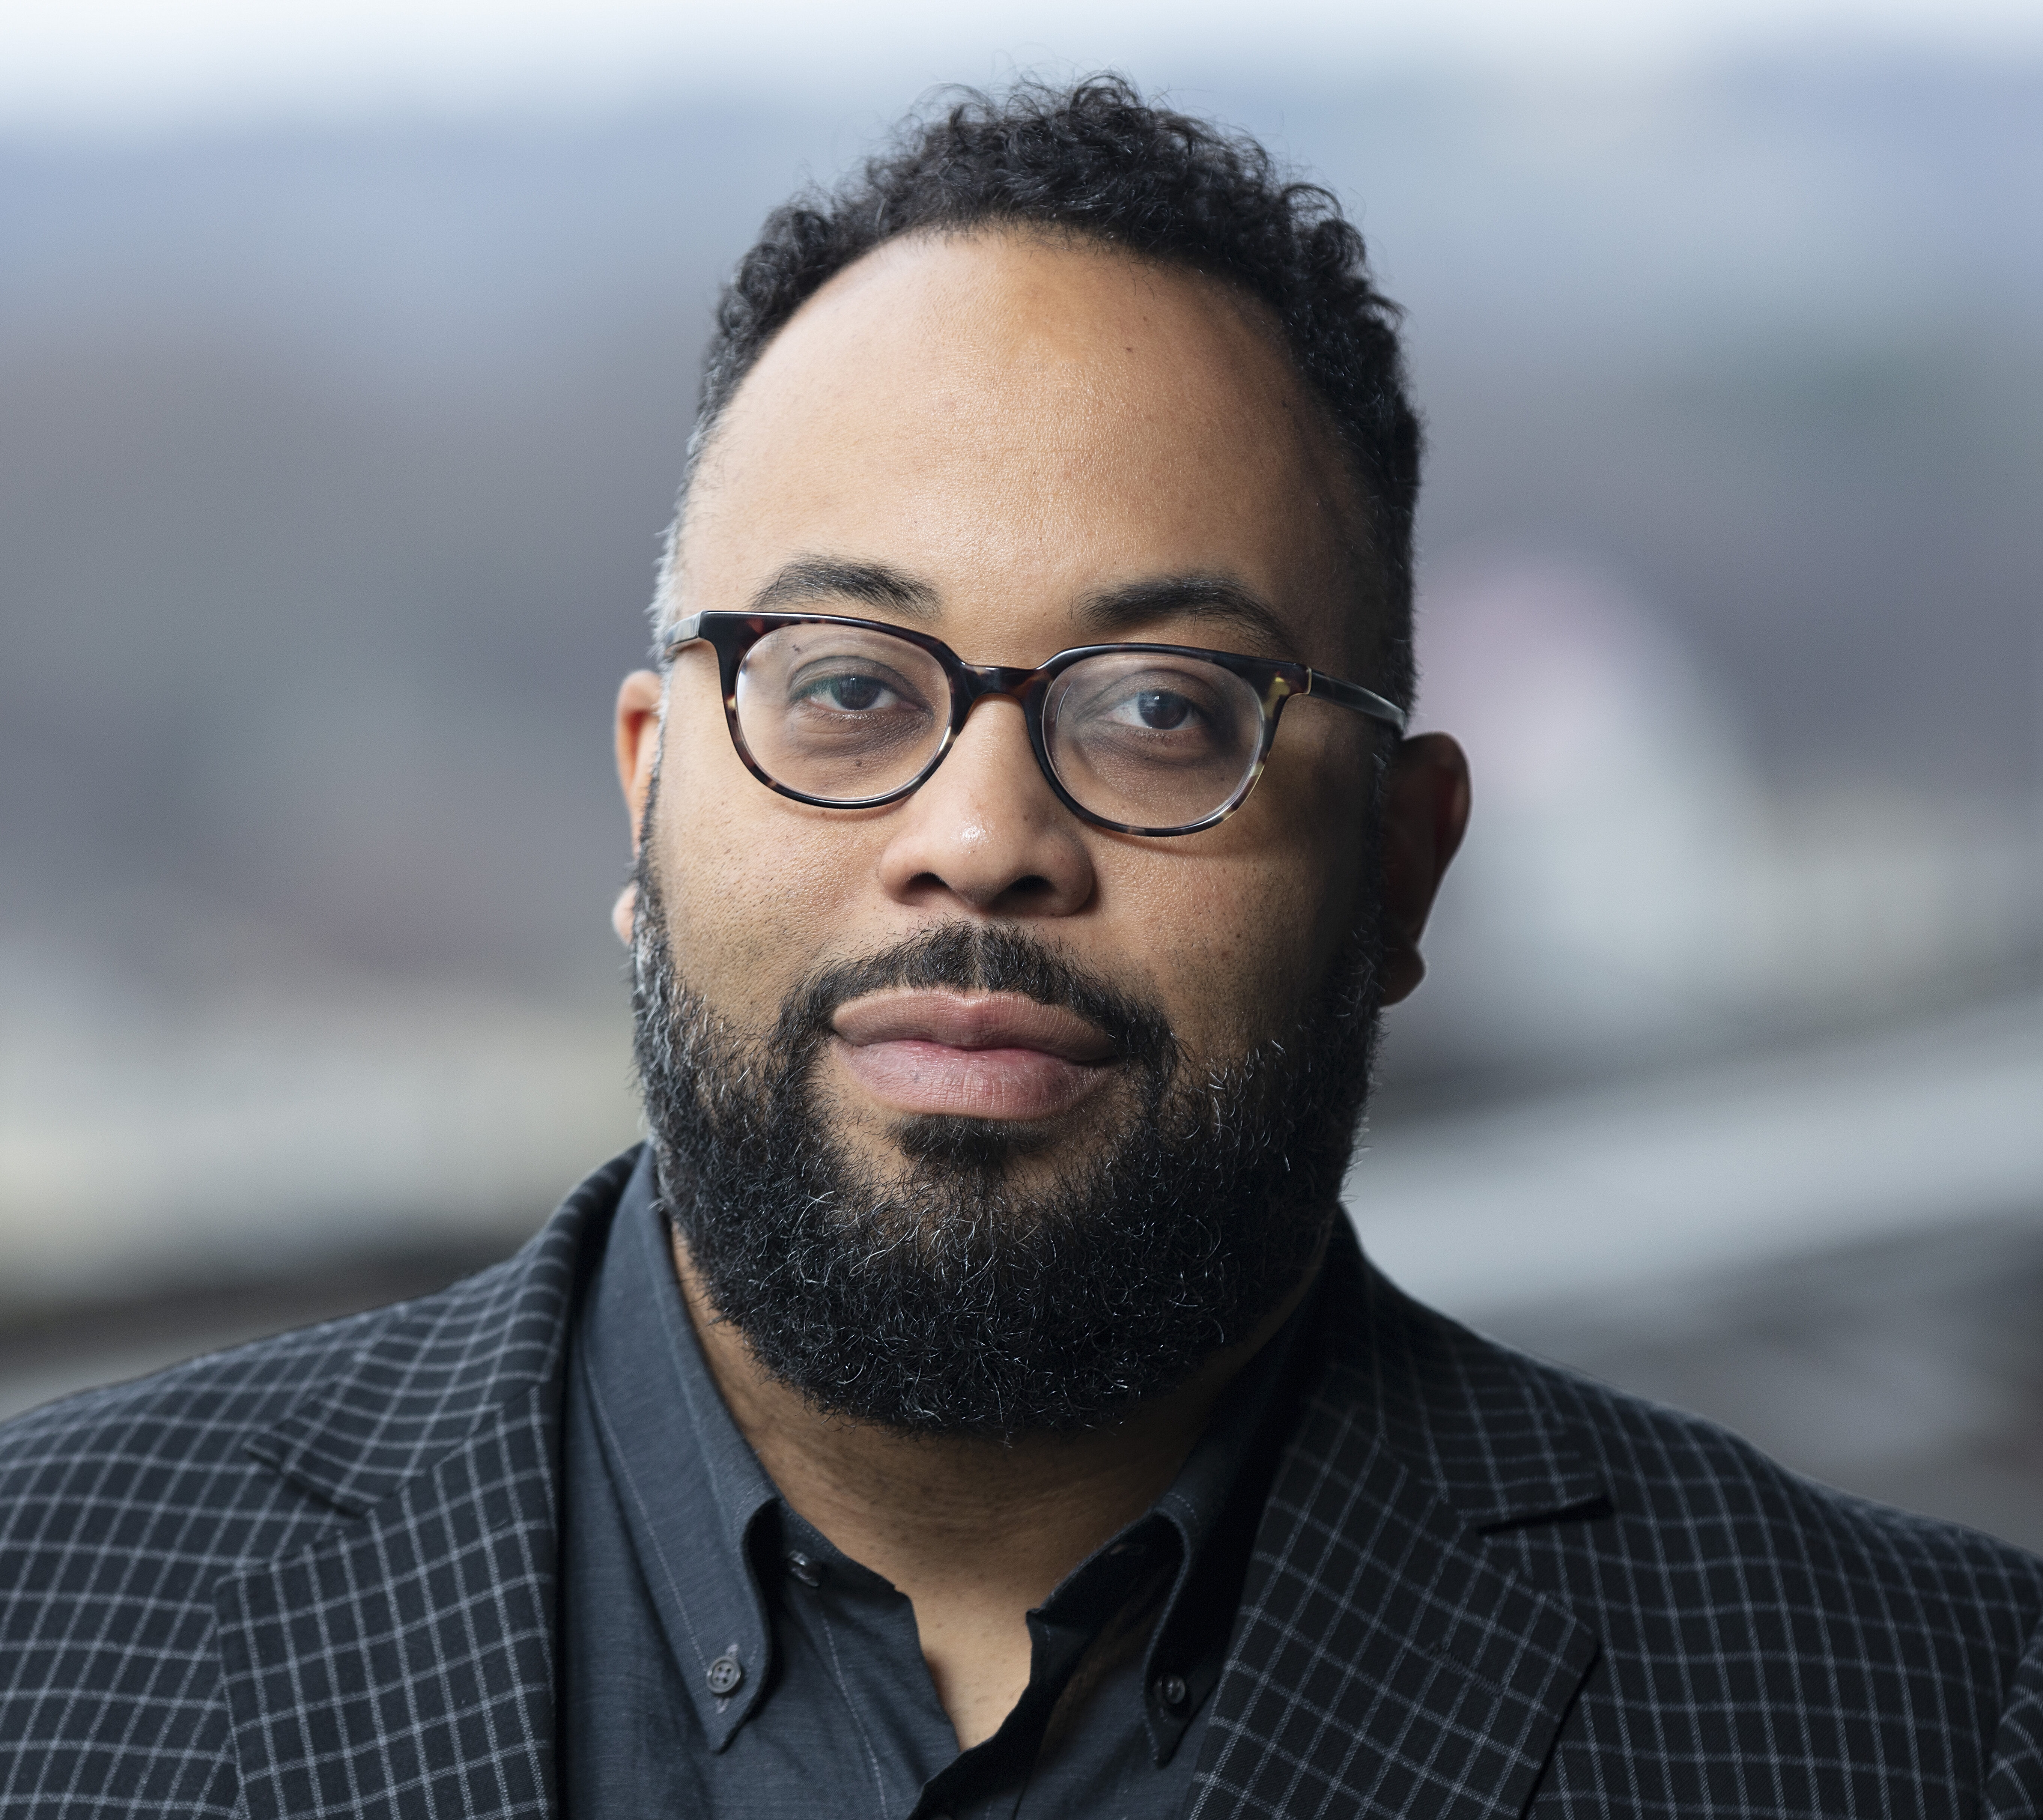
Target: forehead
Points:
(1020, 422)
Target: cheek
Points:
(754, 884)
(1223, 952)
(1238, 927)
(1270, 895)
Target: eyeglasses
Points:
(1142, 739)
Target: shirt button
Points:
(1170, 1689)
(725, 1673)
(805, 1570)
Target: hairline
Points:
(1360, 510)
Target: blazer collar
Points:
(420, 1386)
(1386, 1660)
(1462, 1412)
(402, 1665)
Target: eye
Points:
(857, 692)
(1154, 707)
(1160, 710)
(852, 694)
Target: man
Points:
(972, 1401)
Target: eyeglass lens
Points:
(1141, 737)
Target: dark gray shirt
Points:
(720, 1658)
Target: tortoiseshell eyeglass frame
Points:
(1275, 681)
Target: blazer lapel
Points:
(402, 1666)
(1383, 1663)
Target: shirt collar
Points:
(1215, 1503)
(692, 1488)
(694, 1493)
(1199, 1494)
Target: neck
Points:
(976, 1532)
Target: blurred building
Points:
(1634, 890)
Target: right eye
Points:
(851, 691)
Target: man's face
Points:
(1025, 436)
(1019, 428)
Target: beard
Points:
(945, 1297)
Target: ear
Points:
(1426, 813)
(638, 747)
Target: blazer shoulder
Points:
(1511, 1439)
(1691, 1484)
(189, 1431)
(181, 1444)
(122, 1509)
(1673, 1456)
(138, 1524)
(199, 1406)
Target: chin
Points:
(932, 1141)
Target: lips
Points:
(991, 1055)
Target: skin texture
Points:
(1016, 424)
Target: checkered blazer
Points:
(315, 1576)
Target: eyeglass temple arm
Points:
(681, 632)
(1354, 696)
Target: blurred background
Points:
(346, 357)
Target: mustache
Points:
(974, 958)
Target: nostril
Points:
(1032, 889)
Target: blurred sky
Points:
(138, 63)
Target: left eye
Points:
(1157, 710)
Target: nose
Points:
(987, 832)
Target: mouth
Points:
(971, 1055)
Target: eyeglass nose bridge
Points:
(970, 684)
(987, 681)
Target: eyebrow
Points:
(1104, 614)
(1190, 596)
(810, 578)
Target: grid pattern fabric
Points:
(1485, 1585)
(309, 1576)
(316, 1577)
(409, 1671)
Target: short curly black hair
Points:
(1095, 159)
